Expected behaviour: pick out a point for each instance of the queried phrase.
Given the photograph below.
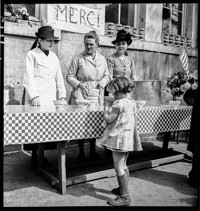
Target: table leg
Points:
(34, 158)
(166, 140)
(61, 167)
(40, 157)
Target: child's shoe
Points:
(120, 201)
(124, 198)
(116, 191)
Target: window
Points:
(112, 13)
(30, 9)
(172, 19)
(126, 14)
(131, 17)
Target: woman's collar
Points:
(44, 51)
(86, 55)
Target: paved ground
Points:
(165, 185)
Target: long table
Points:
(27, 125)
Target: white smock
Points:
(43, 77)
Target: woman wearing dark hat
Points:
(43, 76)
(119, 63)
(43, 79)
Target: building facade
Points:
(159, 33)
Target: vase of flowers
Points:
(181, 83)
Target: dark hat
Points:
(46, 32)
(123, 35)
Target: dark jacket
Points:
(194, 137)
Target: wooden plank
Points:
(170, 159)
(49, 177)
(90, 176)
(132, 167)
(52, 180)
(156, 162)
(61, 167)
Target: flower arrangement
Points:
(17, 13)
(178, 83)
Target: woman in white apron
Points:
(88, 71)
(42, 79)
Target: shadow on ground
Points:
(165, 178)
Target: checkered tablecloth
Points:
(23, 125)
(164, 118)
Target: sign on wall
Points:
(76, 18)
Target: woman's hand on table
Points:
(35, 101)
(84, 88)
(63, 99)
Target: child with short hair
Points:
(121, 135)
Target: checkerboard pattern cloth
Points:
(46, 127)
(163, 118)
(35, 127)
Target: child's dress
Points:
(119, 135)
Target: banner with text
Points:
(76, 18)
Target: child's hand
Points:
(109, 98)
(107, 106)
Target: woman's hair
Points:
(120, 85)
(36, 42)
(92, 35)
(126, 53)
